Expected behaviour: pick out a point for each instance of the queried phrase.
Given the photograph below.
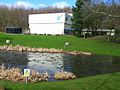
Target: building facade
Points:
(51, 23)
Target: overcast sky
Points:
(38, 3)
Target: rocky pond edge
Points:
(41, 50)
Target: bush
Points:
(115, 39)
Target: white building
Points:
(51, 23)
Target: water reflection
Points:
(46, 62)
(13, 58)
(91, 65)
(80, 65)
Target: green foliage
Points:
(91, 15)
(77, 19)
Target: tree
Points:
(95, 14)
(77, 19)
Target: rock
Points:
(20, 49)
(51, 50)
(28, 49)
(86, 53)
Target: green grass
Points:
(99, 82)
(94, 45)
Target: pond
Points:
(80, 65)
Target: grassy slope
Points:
(99, 82)
(98, 46)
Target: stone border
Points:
(41, 50)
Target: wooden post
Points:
(26, 80)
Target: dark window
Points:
(14, 30)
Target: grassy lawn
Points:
(99, 82)
(94, 45)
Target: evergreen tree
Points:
(78, 23)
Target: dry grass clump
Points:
(37, 77)
(15, 75)
(64, 75)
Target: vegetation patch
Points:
(16, 75)
(100, 82)
(97, 45)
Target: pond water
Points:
(80, 65)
